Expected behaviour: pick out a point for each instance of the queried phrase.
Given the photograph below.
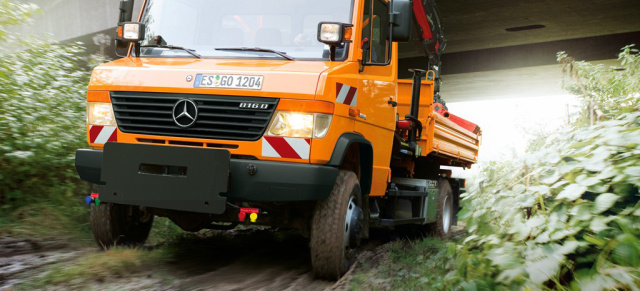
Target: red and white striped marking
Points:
(99, 134)
(346, 94)
(286, 147)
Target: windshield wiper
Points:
(257, 49)
(173, 47)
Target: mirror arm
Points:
(136, 49)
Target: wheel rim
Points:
(350, 227)
(446, 214)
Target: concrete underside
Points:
(483, 59)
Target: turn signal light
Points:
(354, 112)
(348, 31)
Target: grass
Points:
(163, 230)
(99, 267)
(47, 219)
(69, 222)
(180, 256)
(408, 265)
(102, 266)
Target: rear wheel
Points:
(445, 214)
(337, 228)
(115, 224)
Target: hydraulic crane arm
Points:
(431, 41)
(431, 37)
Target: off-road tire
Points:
(445, 199)
(329, 258)
(119, 225)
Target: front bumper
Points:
(204, 180)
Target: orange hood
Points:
(285, 79)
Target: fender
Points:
(366, 157)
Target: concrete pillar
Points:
(71, 19)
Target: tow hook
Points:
(147, 214)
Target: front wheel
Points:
(115, 224)
(337, 228)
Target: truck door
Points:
(377, 84)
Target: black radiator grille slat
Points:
(164, 128)
(219, 117)
(164, 105)
(253, 117)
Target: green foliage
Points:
(566, 216)
(114, 263)
(163, 230)
(410, 265)
(47, 219)
(42, 92)
(610, 91)
(13, 13)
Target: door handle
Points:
(392, 103)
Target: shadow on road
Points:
(250, 258)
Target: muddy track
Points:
(257, 259)
(20, 258)
(240, 259)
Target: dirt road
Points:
(241, 259)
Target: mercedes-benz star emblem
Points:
(185, 113)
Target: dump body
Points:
(441, 137)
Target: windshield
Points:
(219, 28)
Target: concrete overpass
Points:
(496, 48)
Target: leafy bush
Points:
(13, 13)
(607, 91)
(42, 92)
(568, 215)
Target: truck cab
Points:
(280, 112)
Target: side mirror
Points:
(333, 34)
(126, 13)
(401, 16)
(126, 10)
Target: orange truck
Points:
(272, 112)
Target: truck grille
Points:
(219, 117)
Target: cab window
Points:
(375, 29)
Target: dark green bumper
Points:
(195, 177)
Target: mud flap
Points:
(178, 178)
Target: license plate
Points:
(228, 81)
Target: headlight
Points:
(100, 114)
(299, 124)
